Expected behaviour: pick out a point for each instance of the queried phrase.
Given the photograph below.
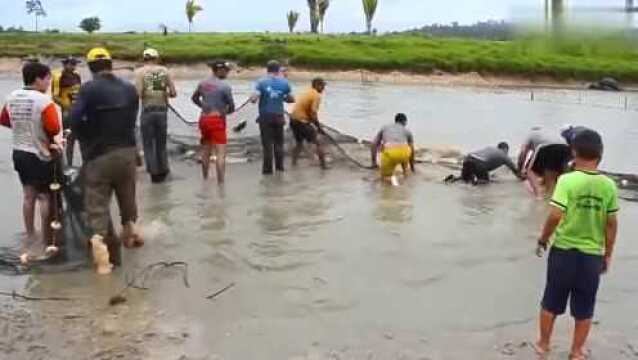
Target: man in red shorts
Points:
(215, 97)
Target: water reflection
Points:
(394, 204)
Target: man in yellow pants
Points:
(395, 144)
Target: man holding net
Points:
(154, 87)
(215, 97)
(272, 91)
(304, 121)
(104, 117)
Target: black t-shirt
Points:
(105, 114)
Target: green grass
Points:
(531, 56)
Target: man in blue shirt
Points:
(271, 92)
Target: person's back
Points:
(110, 105)
(216, 96)
(587, 199)
(582, 225)
(273, 91)
(394, 144)
(539, 138)
(152, 82)
(396, 134)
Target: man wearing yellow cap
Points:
(154, 87)
(64, 88)
(104, 117)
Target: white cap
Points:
(151, 54)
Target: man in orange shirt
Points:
(305, 121)
(35, 122)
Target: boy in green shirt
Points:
(583, 223)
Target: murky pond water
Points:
(333, 265)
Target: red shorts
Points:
(213, 129)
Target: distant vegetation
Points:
(91, 25)
(532, 56)
(488, 30)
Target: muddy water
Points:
(330, 264)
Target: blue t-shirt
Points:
(273, 92)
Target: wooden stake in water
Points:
(626, 103)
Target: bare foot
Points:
(131, 238)
(542, 350)
(24, 259)
(578, 355)
(101, 258)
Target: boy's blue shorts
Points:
(572, 275)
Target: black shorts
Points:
(303, 131)
(33, 171)
(552, 158)
(572, 275)
(474, 171)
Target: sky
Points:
(270, 15)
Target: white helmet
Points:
(151, 54)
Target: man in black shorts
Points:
(305, 121)
(477, 165)
(36, 126)
(543, 158)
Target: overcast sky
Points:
(262, 15)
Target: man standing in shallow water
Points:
(64, 89)
(304, 121)
(154, 87)
(104, 117)
(36, 125)
(271, 92)
(215, 97)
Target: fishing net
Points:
(245, 145)
(71, 239)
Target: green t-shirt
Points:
(586, 199)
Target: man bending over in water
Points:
(396, 145)
(542, 159)
(478, 164)
(304, 121)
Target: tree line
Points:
(488, 30)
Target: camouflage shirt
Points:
(153, 85)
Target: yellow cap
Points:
(98, 54)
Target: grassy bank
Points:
(529, 57)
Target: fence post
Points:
(532, 95)
(626, 103)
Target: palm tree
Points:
(369, 8)
(314, 15)
(192, 8)
(293, 17)
(35, 7)
(322, 7)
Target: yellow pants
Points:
(391, 157)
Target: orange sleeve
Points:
(5, 119)
(51, 120)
